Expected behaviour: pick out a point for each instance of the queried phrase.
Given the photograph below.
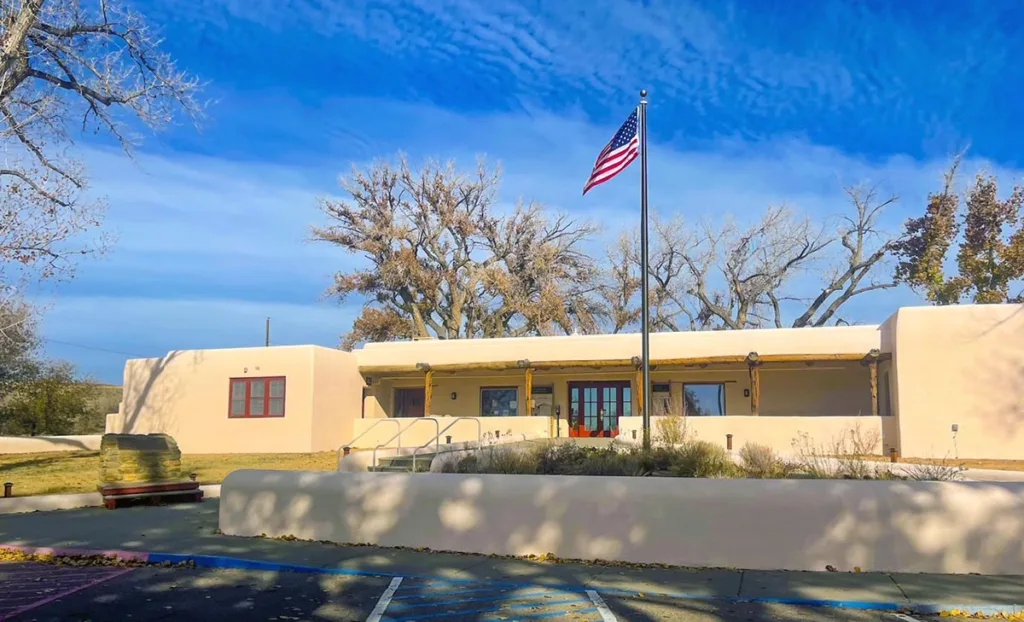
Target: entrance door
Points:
(410, 402)
(595, 407)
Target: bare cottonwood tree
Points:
(725, 276)
(67, 66)
(441, 259)
(990, 253)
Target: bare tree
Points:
(18, 343)
(725, 276)
(442, 260)
(90, 64)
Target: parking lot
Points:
(37, 592)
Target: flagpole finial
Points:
(643, 93)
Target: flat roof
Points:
(848, 341)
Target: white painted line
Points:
(903, 618)
(385, 600)
(606, 613)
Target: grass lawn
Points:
(78, 471)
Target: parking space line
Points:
(606, 613)
(384, 601)
(501, 597)
(502, 607)
(61, 594)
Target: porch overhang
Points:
(421, 367)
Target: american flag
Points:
(617, 155)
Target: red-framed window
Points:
(256, 397)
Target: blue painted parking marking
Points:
(436, 600)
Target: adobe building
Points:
(930, 382)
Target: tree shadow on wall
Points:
(152, 391)
(1002, 367)
(851, 524)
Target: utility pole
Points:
(268, 332)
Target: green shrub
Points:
(761, 461)
(468, 464)
(510, 461)
(702, 459)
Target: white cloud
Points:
(100, 333)
(225, 241)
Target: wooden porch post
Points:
(428, 392)
(872, 362)
(638, 384)
(754, 368)
(529, 391)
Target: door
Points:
(410, 402)
(595, 407)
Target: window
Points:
(704, 400)
(410, 402)
(257, 397)
(499, 402)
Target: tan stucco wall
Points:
(776, 432)
(960, 365)
(337, 398)
(41, 444)
(831, 340)
(936, 527)
(185, 394)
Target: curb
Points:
(234, 563)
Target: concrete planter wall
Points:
(942, 527)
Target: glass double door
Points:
(595, 407)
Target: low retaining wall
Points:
(41, 444)
(776, 432)
(938, 527)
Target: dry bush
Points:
(702, 459)
(944, 471)
(842, 457)
(761, 461)
(671, 431)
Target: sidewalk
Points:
(167, 533)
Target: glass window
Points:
(704, 400)
(499, 402)
(256, 397)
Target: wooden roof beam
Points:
(700, 361)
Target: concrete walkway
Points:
(47, 503)
(191, 529)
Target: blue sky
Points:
(752, 103)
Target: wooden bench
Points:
(119, 495)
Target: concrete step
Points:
(403, 465)
(388, 469)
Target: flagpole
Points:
(644, 298)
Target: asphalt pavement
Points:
(44, 593)
(294, 580)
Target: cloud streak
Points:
(208, 247)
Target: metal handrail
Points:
(399, 437)
(365, 432)
(479, 437)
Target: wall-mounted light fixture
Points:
(454, 395)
